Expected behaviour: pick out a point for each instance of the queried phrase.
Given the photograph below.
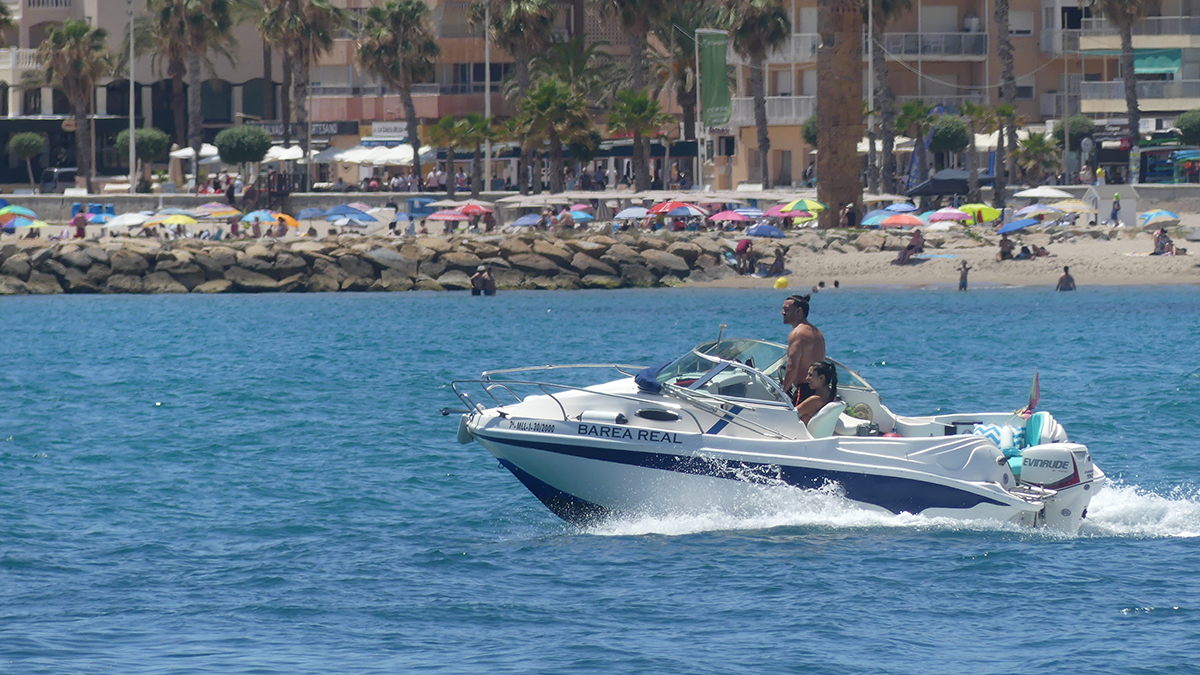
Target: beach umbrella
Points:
(901, 207)
(473, 210)
(765, 230)
(176, 212)
(750, 212)
(527, 220)
(776, 211)
(1073, 206)
(128, 220)
(216, 212)
(14, 210)
(357, 215)
(347, 221)
(666, 207)
(1158, 217)
(949, 214)
(360, 206)
(346, 210)
(687, 211)
(925, 215)
(1017, 225)
(582, 216)
(632, 213)
(311, 213)
(902, 220)
(800, 216)
(1035, 210)
(171, 220)
(265, 217)
(810, 205)
(21, 221)
(982, 213)
(874, 218)
(3, 203)
(98, 218)
(582, 207)
(447, 216)
(726, 216)
(1044, 192)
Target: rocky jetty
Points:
(356, 263)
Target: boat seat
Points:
(825, 421)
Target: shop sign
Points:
(389, 129)
(275, 129)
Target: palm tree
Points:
(74, 59)
(522, 28)
(398, 47)
(916, 119)
(1008, 93)
(304, 30)
(208, 24)
(1123, 14)
(635, 112)
(1038, 156)
(449, 133)
(587, 67)
(6, 21)
(477, 130)
(979, 121)
(678, 68)
(885, 99)
(556, 113)
(163, 34)
(637, 17)
(1006, 120)
(758, 27)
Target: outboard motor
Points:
(1066, 468)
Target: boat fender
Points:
(464, 432)
(603, 417)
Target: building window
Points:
(1026, 87)
(1020, 23)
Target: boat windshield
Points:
(709, 367)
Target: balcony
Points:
(1155, 96)
(1059, 41)
(48, 4)
(1156, 32)
(780, 110)
(18, 59)
(935, 46)
(799, 48)
(1053, 105)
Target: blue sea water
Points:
(262, 484)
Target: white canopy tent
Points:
(206, 150)
(400, 155)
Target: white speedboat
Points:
(713, 429)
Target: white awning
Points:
(206, 150)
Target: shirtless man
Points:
(1066, 282)
(806, 346)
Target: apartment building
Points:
(942, 51)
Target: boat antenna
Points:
(721, 333)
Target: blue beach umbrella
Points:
(311, 213)
(1017, 225)
(345, 210)
(527, 220)
(17, 211)
(764, 230)
(357, 215)
(582, 216)
(901, 207)
(876, 217)
(1158, 217)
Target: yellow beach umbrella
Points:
(1073, 206)
(982, 212)
(172, 220)
(810, 205)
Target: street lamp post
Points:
(132, 112)
(487, 93)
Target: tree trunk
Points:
(1128, 74)
(285, 99)
(759, 91)
(410, 118)
(641, 165)
(451, 184)
(556, 164)
(477, 172)
(885, 101)
(195, 117)
(972, 174)
(686, 98)
(83, 144)
(872, 167)
(637, 56)
(999, 182)
(178, 101)
(300, 103)
(523, 166)
(1008, 95)
(268, 83)
(29, 167)
(525, 161)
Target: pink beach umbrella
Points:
(582, 207)
(777, 212)
(902, 220)
(727, 216)
(447, 215)
(950, 214)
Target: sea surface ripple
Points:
(262, 484)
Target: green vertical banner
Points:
(714, 80)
